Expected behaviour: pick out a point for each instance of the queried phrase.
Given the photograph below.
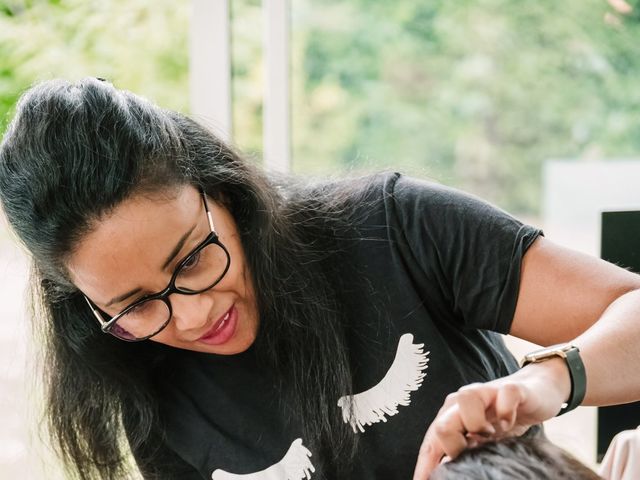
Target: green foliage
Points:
(474, 93)
(138, 45)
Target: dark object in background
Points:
(620, 245)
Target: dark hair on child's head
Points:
(515, 458)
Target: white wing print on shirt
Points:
(295, 465)
(405, 376)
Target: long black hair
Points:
(72, 153)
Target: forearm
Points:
(566, 296)
(610, 350)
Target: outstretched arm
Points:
(564, 296)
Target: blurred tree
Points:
(138, 45)
(476, 93)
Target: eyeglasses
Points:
(198, 272)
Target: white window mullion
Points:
(276, 110)
(210, 65)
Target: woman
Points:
(233, 328)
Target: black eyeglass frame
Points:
(107, 325)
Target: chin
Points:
(244, 344)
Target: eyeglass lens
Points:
(200, 271)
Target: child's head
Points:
(516, 458)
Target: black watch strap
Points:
(577, 374)
(578, 380)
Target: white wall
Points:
(23, 455)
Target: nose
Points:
(190, 312)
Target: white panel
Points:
(576, 193)
(210, 65)
(277, 143)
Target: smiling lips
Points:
(223, 329)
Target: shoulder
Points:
(388, 198)
(407, 190)
(427, 203)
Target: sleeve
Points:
(468, 252)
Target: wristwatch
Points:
(571, 355)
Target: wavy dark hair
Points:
(72, 153)
(531, 457)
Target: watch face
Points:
(553, 349)
(559, 350)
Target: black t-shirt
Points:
(432, 275)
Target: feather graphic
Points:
(295, 465)
(405, 376)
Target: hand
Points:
(489, 411)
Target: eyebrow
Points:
(178, 247)
(122, 297)
(167, 262)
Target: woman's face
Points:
(134, 251)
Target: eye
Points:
(139, 309)
(191, 262)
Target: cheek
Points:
(166, 336)
(238, 273)
(242, 285)
(246, 279)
